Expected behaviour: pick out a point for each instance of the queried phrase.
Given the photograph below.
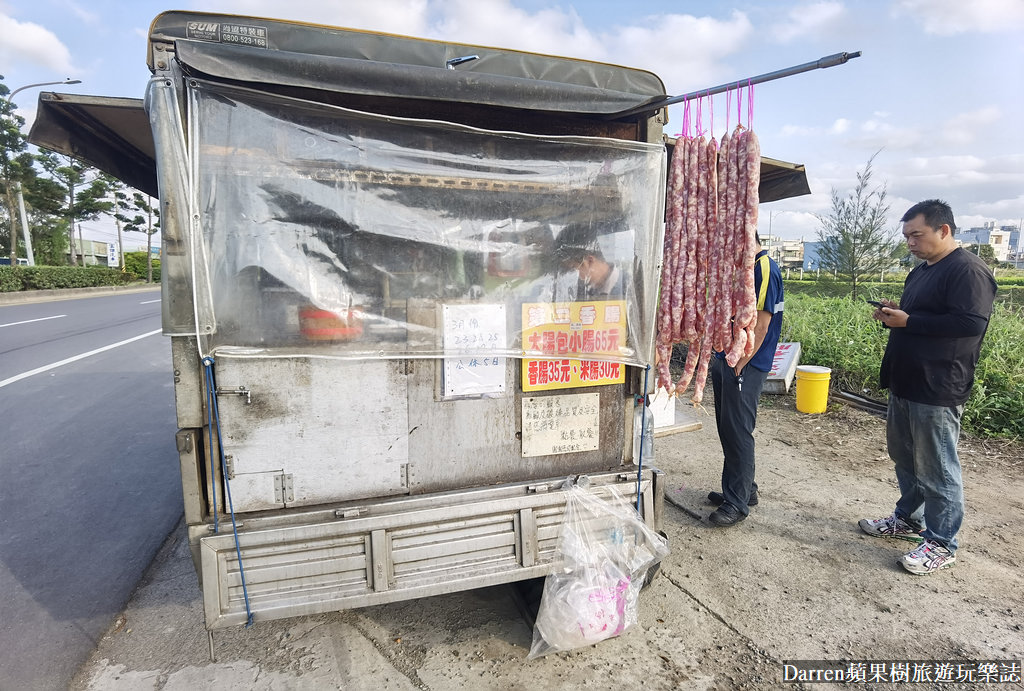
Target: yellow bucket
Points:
(812, 388)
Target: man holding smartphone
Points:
(934, 343)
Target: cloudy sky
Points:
(936, 96)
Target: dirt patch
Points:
(800, 579)
(797, 580)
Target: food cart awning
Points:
(113, 135)
(278, 55)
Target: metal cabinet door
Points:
(305, 431)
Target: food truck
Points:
(386, 355)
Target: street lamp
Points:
(10, 96)
(21, 199)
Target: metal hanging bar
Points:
(829, 61)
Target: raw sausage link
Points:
(724, 294)
(688, 368)
(712, 248)
(702, 375)
(746, 308)
(688, 329)
(664, 366)
(671, 247)
(681, 240)
(703, 209)
(739, 241)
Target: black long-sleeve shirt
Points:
(932, 359)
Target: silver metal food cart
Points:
(385, 359)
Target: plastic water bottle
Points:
(643, 433)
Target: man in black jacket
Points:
(934, 342)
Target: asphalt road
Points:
(91, 486)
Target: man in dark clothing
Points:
(928, 367)
(737, 391)
(576, 249)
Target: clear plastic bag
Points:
(604, 551)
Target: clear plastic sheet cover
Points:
(178, 314)
(326, 232)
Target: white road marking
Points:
(29, 321)
(149, 302)
(45, 368)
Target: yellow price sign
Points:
(567, 333)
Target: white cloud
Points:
(499, 23)
(808, 20)
(949, 17)
(840, 126)
(408, 17)
(965, 128)
(84, 15)
(688, 64)
(25, 43)
(1004, 208)
(875, 134)
(985, 187)
(1010, 164)
(799, 131)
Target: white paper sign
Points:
(112, 255)
(472, 329)
(566, 423)
(663, 406)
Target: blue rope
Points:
(643, 423)
(215, 419)
(210, 394)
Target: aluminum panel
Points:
(455, 444)
(338, 428)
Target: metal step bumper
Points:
(389, 550)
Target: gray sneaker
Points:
(890, 526)
(927, 557)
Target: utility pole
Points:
(24, 227)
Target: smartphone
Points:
(876, 303)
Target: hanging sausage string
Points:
(707, 298)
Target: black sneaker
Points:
(717, 499)
(725, 516)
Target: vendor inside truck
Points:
(577, 249)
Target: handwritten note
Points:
(565, 423)
(470, 331)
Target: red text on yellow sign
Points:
(567, 331)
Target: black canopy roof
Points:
(113, 134)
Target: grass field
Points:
(839, 333)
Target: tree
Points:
(85, 190)
(985, 252)
(121, 207)
(44, 202)
(13, 160)
(145, 220)
(854, 239)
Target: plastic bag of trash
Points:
(603, 553)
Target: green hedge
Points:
(135, 263)
(18, 278)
